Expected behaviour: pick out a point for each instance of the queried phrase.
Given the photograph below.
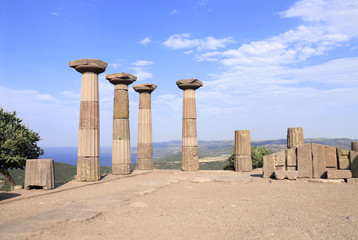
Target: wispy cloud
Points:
(201, 3)
(141, 69)
(145, 41)
(142, 63)
(114, 65)
(184, 41)
(174, 11)
(55, 13)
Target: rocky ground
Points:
(166, 204)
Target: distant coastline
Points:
(69, 155)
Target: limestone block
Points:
(189, 128)
(338, 174)
(145, 164)
(355, 146)
(89, 115)
(280, 160)
(318, 160)
(291, 175)
(353, 158)
(242, 142)
(145, 88)
(121, 78)
(190, 142)
(88, 142)
(145, 116)
(343, 158)
(189, 107)
(294, 137)
(121, 104)
(331, 157)
(88, 169)
(144, 151)
(291, 160)
(121, 168)
(304, 161)
(121, 129)
(121, 156)
(39, 173)
(243, 163)
(89, 87)
(268, 168)
(144, 100)
(192, 83)
(352, 180)
(89, 65)
(190, 158)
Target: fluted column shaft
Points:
(88, 168)
(190, 158)
(243, 162)
(145, 140)
(121, 149)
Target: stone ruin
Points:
(242, 148)
(39, 173)
(310, 160)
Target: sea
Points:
(69, 155)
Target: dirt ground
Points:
(183, 205)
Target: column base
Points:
(121, 168)
(145, 164)
(88, 169)
(243, 163)
(190, 159)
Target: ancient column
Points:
(294, 137)
(88, 136)
(121, 149)
(355, 146)
(190, 158)
(243, 162)
(145, 141)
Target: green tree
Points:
(257, 154)
(17, 143)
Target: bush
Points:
(257, 154)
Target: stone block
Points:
(294, 137)
(189, 107)
(121, 105)
(121, 157)
(353, 158)
(145, 164)
(331, 157)
(280, 160)
(39, 173)
(190, 159)
(355, 146)
(318, 160)
(242, 142)
(145, 101)
(291, 159)
(343, 158)
(121, 129)
(268, 168)
(243, 163)
(144, 151)
(352, 180)
(291, 175)
(88, 142)
(89, 65)
(189, 128)
(338, 174)
(89, 115)
(88, 169)
(304, 161)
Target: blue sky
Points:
(266, 65)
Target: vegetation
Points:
(17, 143)
(257, 154)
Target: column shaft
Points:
(294, 137)
(243, 162)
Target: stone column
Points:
(190, 158)
(243, 162)
(294, 137)
(145, 141)
(88, 136)
(355, 146)
(121, 149)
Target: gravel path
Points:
(181, 205)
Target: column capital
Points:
(192, 83)
(146, 87)
(89, 65)
(121, 78)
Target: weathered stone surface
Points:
(355, 146)
(294, 137)
(89, 115)
(343, 158)
(121, 157)
(189, 84)
(280, 160)
(338, 174)
(318, 160)
(88, 143)
(39, 173)
(89, 87)
(268, 168)
(145, 164)
(146, 87)
(121, 104)
(304, 161)
(331, 157)
(121, 129)
(88, 169)
(189, 128)
(281, 174)
(243, 163)
(189, 105)
(121, 78)
(352, 180)
(242, 142)
(353, 158)
(321, 180)
(145, 101)
(190, 158)
(89, 65)
(17, 187)
(291, 159)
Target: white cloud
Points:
(174, 11)
(70, 94)
(201, 3)
(55, 13)
(114, 65)
(145, 41)
(142, 63)
(184, 40)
